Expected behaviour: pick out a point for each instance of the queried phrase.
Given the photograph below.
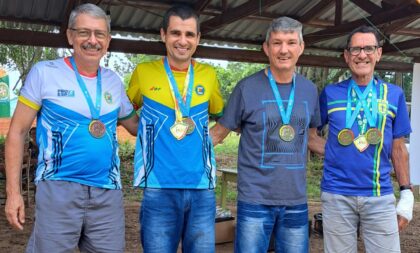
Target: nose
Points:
(182, 39)
(283, 48)
(92, 38)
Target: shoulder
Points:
(150, 65)
(253, 79)
(204, 67)
(393, 89)
(306, 83)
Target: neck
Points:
(362, 80)
(281, 76)
(86, 67)
(179, 64)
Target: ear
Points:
(302, 48)
(378, 54)
(265, 48)
(346, 56)
(69, 37)
(163, 35)
(198, 38)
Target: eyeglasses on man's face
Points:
(86, 33)
(357, 50)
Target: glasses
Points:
(86, 33)
(357, 50)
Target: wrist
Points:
(406, 187)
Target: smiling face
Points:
(283, 50)
(88, 40)
(181, 40)
(362, 65)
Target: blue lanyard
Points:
(371, 117)
(187, 94)
(94, 110)
(285, 115)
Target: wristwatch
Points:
(406, 187)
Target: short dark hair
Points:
(364, 29)
(180, 10)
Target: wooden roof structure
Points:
(231, 29)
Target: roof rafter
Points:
(338, 12)
(378, 19)
(398, 25)
(248, 8)
(367, 6)
(317, 10)
(201, 5)
(403, 45)
(69, 7)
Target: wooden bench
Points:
(228, 175)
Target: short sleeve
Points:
(232, 115)
(216, 100)
(401, 123)
(126, 108)
(323, 108)
(134, 92)
(31, 92)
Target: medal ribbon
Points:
(371, 117)
(285, 115)
(351, 117)
(182, 104)
(94, 109)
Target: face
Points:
(283, 50)
(181, 40)
(89, 37)
(362, 65)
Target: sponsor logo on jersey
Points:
(65, 93)
(155, 88)
(4, 91)
(199, 90)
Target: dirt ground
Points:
(12, 241)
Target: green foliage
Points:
(233, 73)
(2, 139)
(126, 150)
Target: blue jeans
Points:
(256, 223)
(170, 215)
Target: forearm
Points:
(131, 124)
(400, 161)
(316, 143)
(218, 133)
(14, 157)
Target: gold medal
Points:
(373, 136)
(190, 123)
(287, 133)
(179, 130)
(361, 143)
(345, 137)
(96, 128)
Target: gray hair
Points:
(91, 10)
(285, 24)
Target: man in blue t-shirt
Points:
(276, 111)
(367, 120)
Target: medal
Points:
(373, 136)
(97, 128)
(287, 133)
(361, 143)
(179, 130)
(345, 137)
(190, 123)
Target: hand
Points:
(402, 223)
(15, 211)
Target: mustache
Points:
(91, 46)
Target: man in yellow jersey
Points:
(174, 160)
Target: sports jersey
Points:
(271, 171)
(162, 161)
(67, 151)
(347, 171)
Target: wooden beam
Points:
(338, 12)
(378, 19)
(367, 6)
(231, 15)
(69, 7)
(317, 10)
(400, 24)
(403, 45)
(43, 39)
(200, 5)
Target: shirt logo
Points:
(65, 93)
(199, 90)
(108, 97)
(382, 106)
(155, 88)
(4, 91)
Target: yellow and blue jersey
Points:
(162, 161)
